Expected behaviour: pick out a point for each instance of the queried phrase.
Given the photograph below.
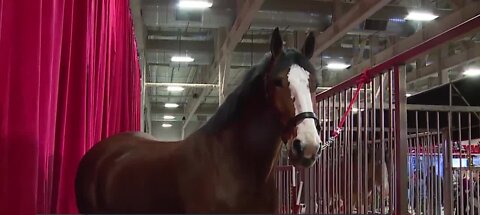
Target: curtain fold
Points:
(69, 77)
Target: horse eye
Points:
(278, 82)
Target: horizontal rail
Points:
(181, 85)
(441, 38)
(443, 108)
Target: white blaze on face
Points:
(300, 92)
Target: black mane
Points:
(252, 83)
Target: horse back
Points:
(116, 172)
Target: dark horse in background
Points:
(227, 166)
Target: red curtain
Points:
(69, 76)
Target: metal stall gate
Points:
(367, 169)
(289, 188)
(441, 141)
(359, 172)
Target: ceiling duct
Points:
(375, 25)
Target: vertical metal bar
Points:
(345, 165)
(462, 171)
(390, 142)
(324, 160)
(469, 160)
(373, 145)
(447, 144)
(330, 157)
(430, 175)
(323, 168)
(400, 138)
(439, 201)
(382, 144)
(358, 153)
(418, 180)
(335, 147)
(340, 146)
(366, 151)
(350, 160)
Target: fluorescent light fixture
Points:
(194, 4)
(397, 20)
(182, 59)
(420, 16)
(171, 105)
(335, 65)
(408, 94)
(175, 89)
(472, 72)
(166, 125)
(168, 117)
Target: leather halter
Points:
(302, 116)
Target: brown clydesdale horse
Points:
(224, 167)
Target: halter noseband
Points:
(300, 117)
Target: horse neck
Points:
(252, 141)
(259, 141)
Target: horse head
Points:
(291, 83)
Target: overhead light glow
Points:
(192, 4)
(182, 59)
(175, 89)
(472, 72)
(166, 125)
(337, 66)
(171, 105)
(408, 94)
(397, 20)
(421, 16)
(168, 117)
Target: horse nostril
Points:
(297, 146)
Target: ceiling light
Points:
(421, 16)
(337, 66)
(354, 109)
(408, 94)
(192, 4)
(182, 59)
(171, 105)
(472, 72)
(166, 125)
(168, 117)
(175, 89)
(396, 20)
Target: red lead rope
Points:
(361, 82)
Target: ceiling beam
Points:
(463, 58)
(207, 47)
(429, 31)
(310, 6)
(244, 17)
(201, 46)
(435, 34)
(357, 14)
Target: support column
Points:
(442, 73)
(401, 153)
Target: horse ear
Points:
(276, 43)
(309, 46)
